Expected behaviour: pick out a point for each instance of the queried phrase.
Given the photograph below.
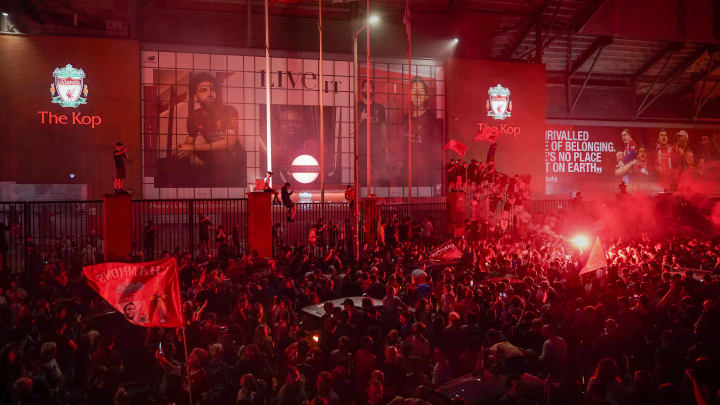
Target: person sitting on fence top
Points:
(286, 192)
(267, 187)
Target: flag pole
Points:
(408, 28)
(182, 318)
(268, 133)
(187, 363)
(368, 101)
(322, 109)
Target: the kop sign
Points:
(499, 107)
(69, 90)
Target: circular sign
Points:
(305, 169)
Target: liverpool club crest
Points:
(498, 103)
(69, 88)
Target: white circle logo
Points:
(305, 169)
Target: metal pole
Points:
(322, 112)
(268, 134)
(368, 101)
(409, 30)
(248, 40)
(356, 169)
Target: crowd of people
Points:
(513, 311)
(486, 188)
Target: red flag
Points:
(596, 259)
(148, 294)
(446, 251)
(486, 133)
(456, 146)
(407, 20)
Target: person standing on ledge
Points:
(120, 155)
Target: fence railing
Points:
(71, 231)
(339, 221)
(190, 226)
(35, 232)
(417, 213)
(337, 217)
(541, 207)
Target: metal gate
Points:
(188, 226)
(35, 232)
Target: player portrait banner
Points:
(296, 148)
(390, 94)
(204, 123)
(596, 159)
(146, 293)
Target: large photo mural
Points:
(204, 127)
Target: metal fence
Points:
(188, 226)
(338, 217)
(34, 232)
(541, 207)
(435, 212)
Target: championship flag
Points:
(596, 259)
(446, 251)
(456, 146)
(148, 294)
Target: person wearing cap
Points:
(267, 187)
(679, 149)
(286, 192)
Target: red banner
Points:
(148, 294)
(456, 146)
(446, 251)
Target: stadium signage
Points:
(69, 90)
(76, 118)
(294, 80)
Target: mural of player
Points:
(629, 146)
(663, 151)
(426, 140)
(678, 149)
(380, 174)
(641, 165)
(211, 154)
(688, 164)
(296, 132)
